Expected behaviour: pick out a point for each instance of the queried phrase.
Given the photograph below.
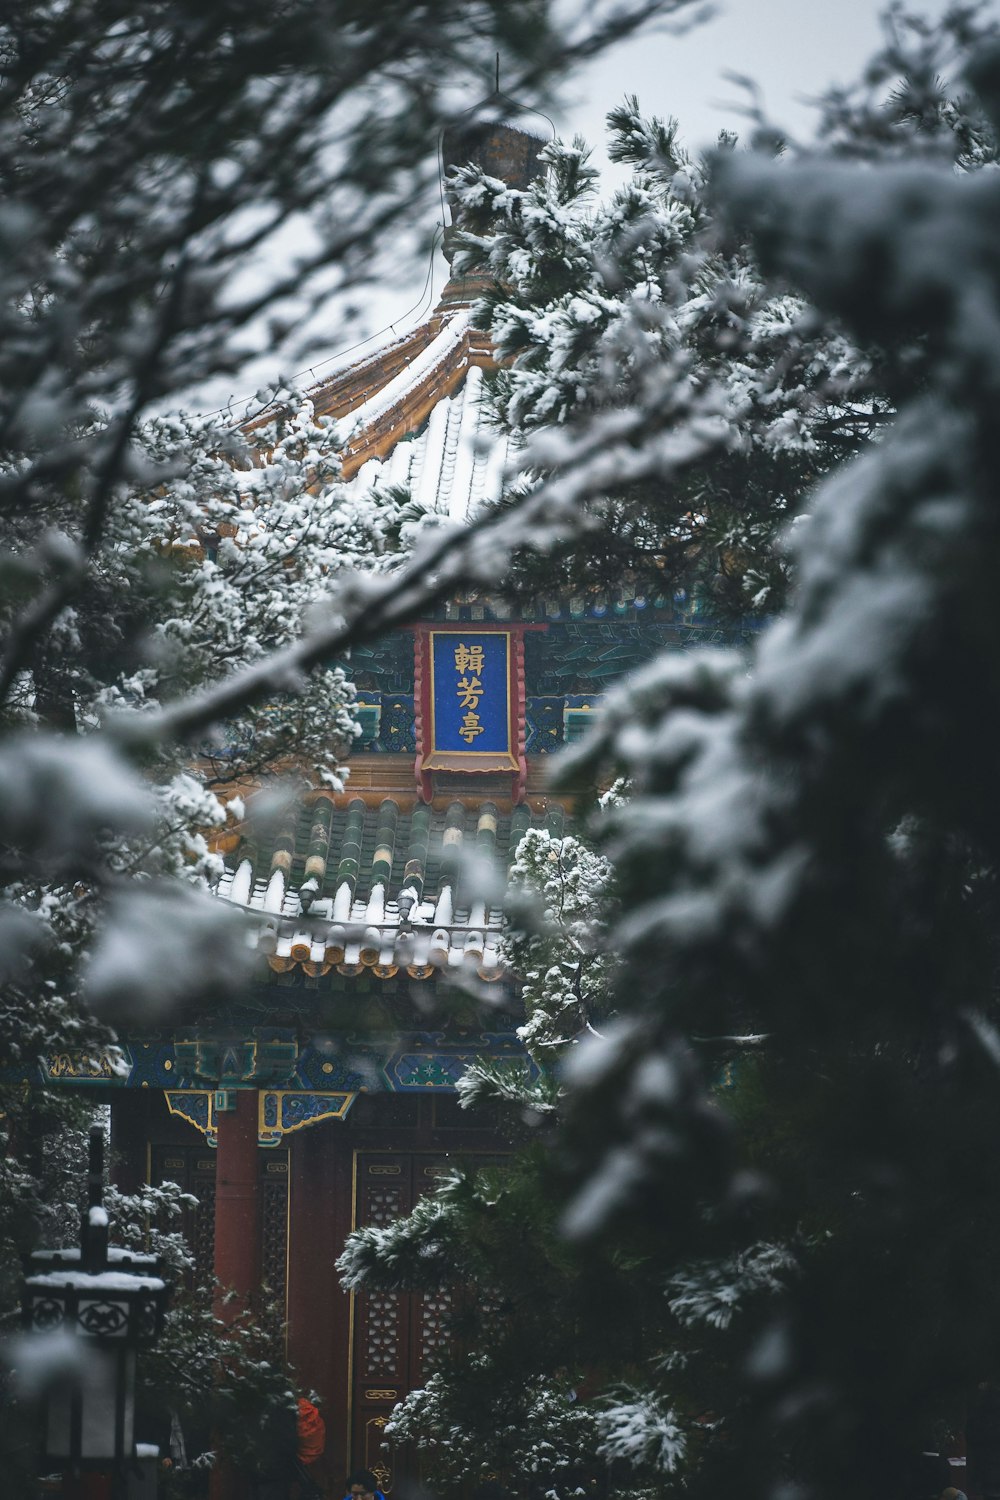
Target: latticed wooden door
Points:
(193, 1168)
(272, 1165)
(396, 1336)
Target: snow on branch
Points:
(712, 1292)
(640, 1429)
(418, 1250)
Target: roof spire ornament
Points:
(492, 135)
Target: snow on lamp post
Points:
(115, 1301)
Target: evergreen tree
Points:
(645, 319)
(155, 168)
(644, 301)
(226, 1382)
(777, 1139)
(809, 853)
(534, 1340)
(168, 591)
(807, 867)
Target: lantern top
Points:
(101, 1291)
(70, 1256)
(95, 1263)
(106, 1281)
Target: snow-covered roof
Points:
(380, 889)
(98, 1281)
(412, 414)
(453, 463)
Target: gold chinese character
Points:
(470, 728)
(469, 692)
(468, 658)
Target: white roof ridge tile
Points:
(394, 391)
(454, 462)
(430, 472)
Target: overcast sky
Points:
(793, 49)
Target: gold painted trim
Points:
(331, 1114)
(76, 1063)
(206, 1130)
(271, 1135)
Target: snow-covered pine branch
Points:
(635, 299)
(558, 908)
(416, 1251)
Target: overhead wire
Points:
(425, 298)
(427, 291)
(521, 109)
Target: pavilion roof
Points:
(380, 886)
(378, 883)
(412, 412)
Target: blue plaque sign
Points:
(470, 693)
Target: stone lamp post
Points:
(113, 1301)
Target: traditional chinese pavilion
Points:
(325, 1098)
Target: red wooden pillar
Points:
(319, 1312)
(237, 1233)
